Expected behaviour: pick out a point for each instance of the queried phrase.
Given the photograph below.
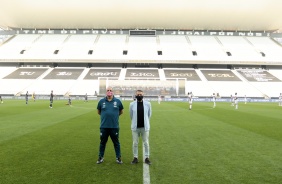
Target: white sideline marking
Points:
(146, 172)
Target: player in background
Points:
(245, 99)
(69, 101)
(190, 100)
(280, 99)
(1, 99)
(86, 98)
(232, 100)
(33, 96)
(51, 99)
(159, 99)
(213, 100)
(236, 101)
(26, 98)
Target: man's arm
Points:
(121, 112)
(150, 110)
(131, 109)
(99, 107)
(120, 108)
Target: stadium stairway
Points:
(122, 74)
(161, 74)
(33, 86)
(249, 84)
(200, 88)
(78, 81)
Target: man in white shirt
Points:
(140, 113)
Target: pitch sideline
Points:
(146, 170)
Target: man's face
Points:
(139, 96)
(109, 92)
(138, 93)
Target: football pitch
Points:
(202, 145)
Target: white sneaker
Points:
(119, 161)
(100, 160)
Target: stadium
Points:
(166, 48)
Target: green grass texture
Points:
(203, 145)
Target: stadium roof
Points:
(250, 15)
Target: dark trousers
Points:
(104, 135)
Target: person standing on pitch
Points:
(33, 96)
(159, 99)
(232, 100)
(190, 100)
(109, 109)
(213, 99)
(86, 98)
(140, 114)
(280, 99)
(26, 98)
(51, 99)
(69, 101)
(236, 101)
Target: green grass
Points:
(204, 145)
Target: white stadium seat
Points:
(67, 48)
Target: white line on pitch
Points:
(146, 170)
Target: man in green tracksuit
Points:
(109, 109)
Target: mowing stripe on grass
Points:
(78, 107)
(178, 110)
(146, 171)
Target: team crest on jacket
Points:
(115, 104)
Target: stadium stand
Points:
(17, 45)
(58, 80)
(189, 75)
(26, 73)
(175, 47)
(277, 73)
(77, 46)
(263, 81)
(270, 48)
(64, 73)
(4, 71)
(142, 48)
(96, 73)
(45, 47)
(111, 46)
(116, 58)
(142, 74)
(204, 49)
(202, 82)
(207, 48)
(240, 48)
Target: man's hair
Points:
(110, 87)
(139, 90)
